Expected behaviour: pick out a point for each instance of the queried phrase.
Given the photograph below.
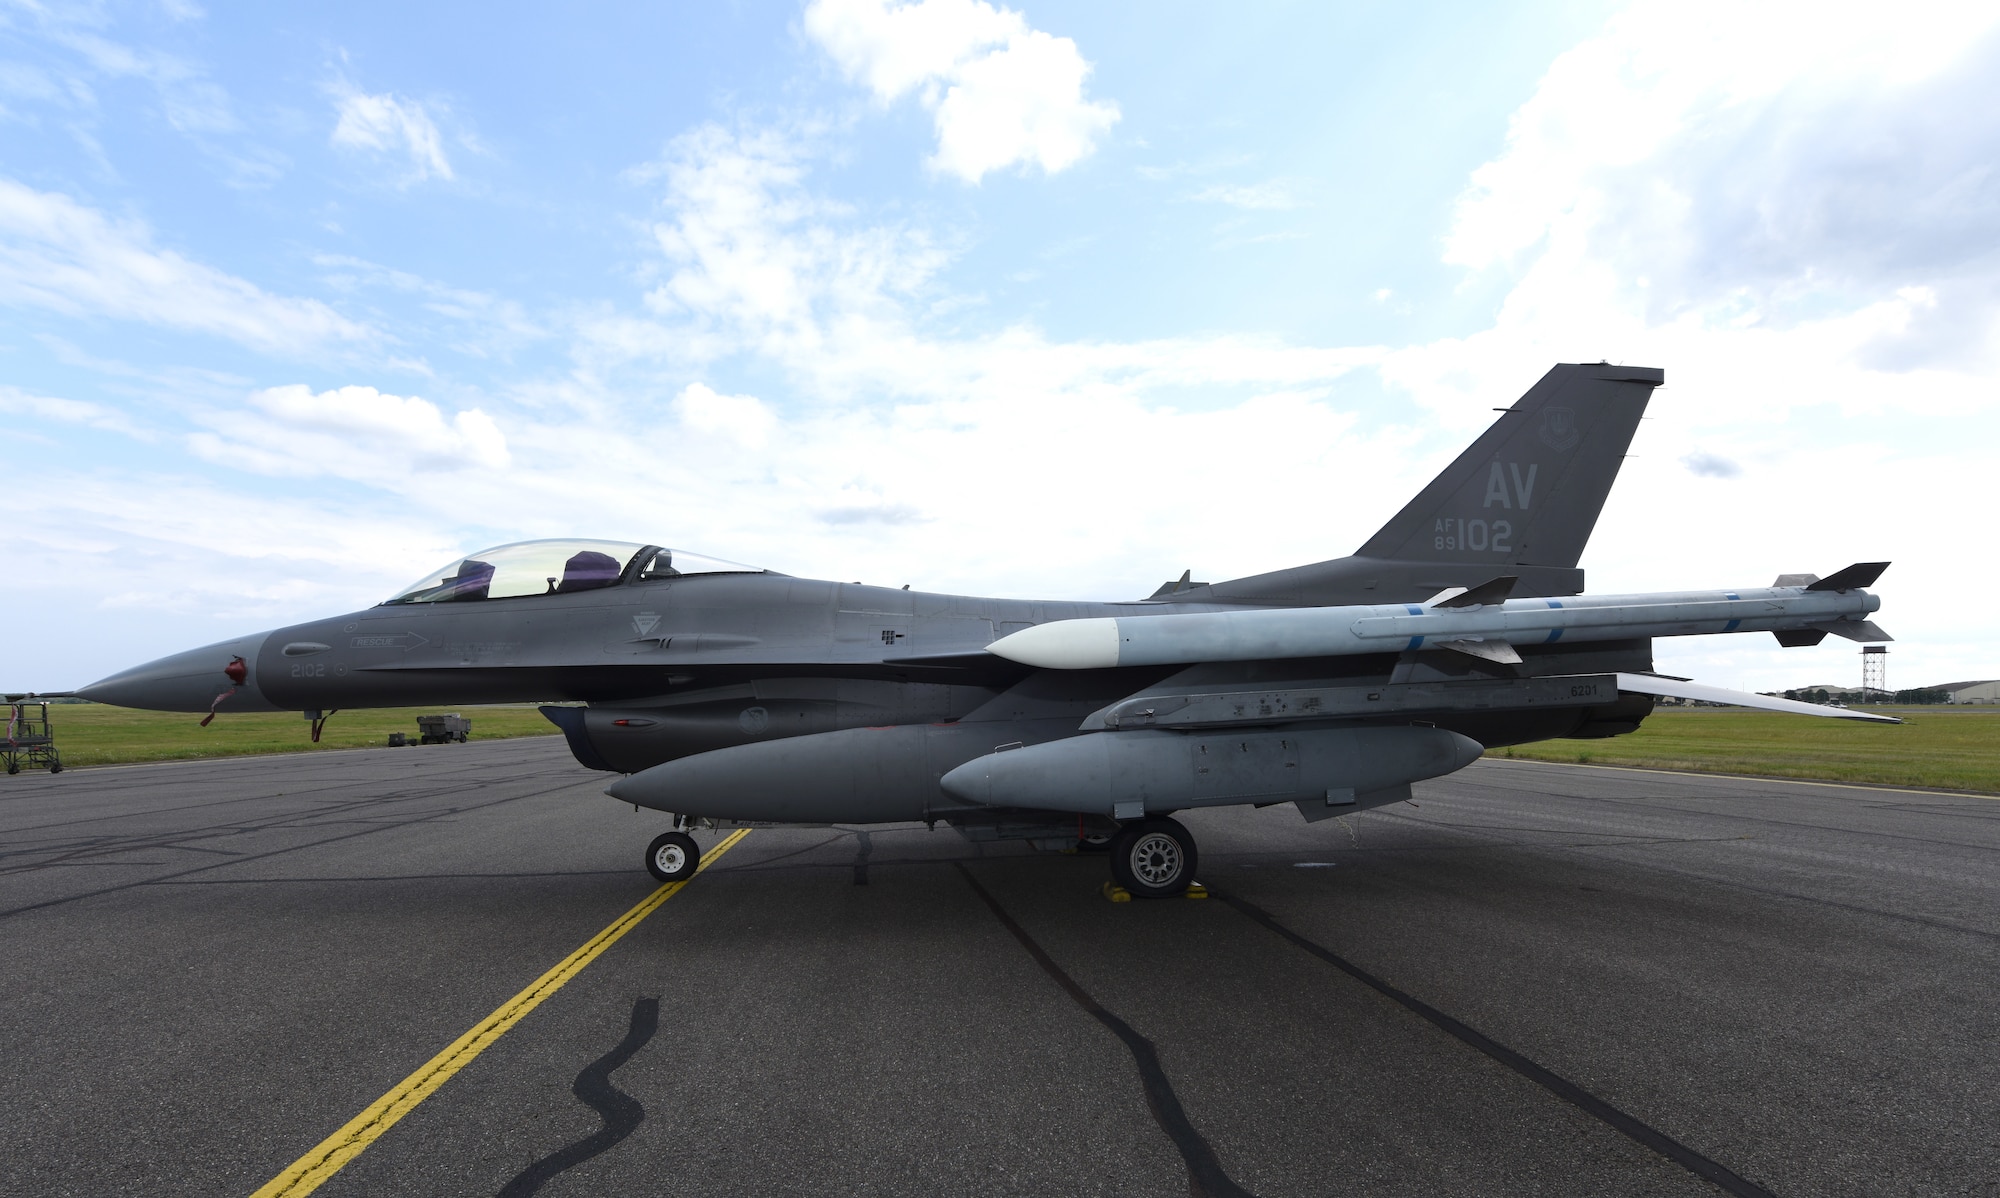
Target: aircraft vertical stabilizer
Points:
(1528, 492)
(1521, 502)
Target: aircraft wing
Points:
(1652, 684)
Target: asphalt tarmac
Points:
(1535, 979)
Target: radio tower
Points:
(1874, 673)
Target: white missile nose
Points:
(1062, 645)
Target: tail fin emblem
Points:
(1559, 431)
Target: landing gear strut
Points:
(1154, 858)
(673, 856)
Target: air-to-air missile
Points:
(728, 694)
(1478, 622)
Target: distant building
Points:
(1987, 691)
(1823, 693)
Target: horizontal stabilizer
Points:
(1864, 631)
(1650, 684)
(1856, 576)
(1493, 591)
(1499, 651)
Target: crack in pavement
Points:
(621, 1113)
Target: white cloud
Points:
(351, 432)
(151, 562)
(22, 409)
(1272, 195)
(742, 418)
(58, 254)
(762, 265)
(1763, 164)
(1000, 93)
(477, 323)
(390, 125)
(192, 103)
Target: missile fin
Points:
(1493, 590)
(1795, 580)
(1499, 651)
(1854, 577)
(1651, 684)
(1799, 638)
(1864, 631)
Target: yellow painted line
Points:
(318, 1166)
(1641, 769)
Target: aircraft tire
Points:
(673, 856)
(1154, 858)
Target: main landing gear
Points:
(673, 856)
(1154, 858)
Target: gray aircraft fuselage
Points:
(688, 657)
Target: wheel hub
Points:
(1156, 859)
(670, 858)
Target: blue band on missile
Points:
(1557, 604)
(1413, 609)
(1731, 626)
(1555, 634)
(1414, 642)
(1734, 596)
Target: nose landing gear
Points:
(673, 856)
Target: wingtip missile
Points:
(1490, 630)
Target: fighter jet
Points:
(729, 695)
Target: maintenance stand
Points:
(28, 739)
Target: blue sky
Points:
(296, 304)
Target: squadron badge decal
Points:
(1559, 431)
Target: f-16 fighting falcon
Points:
(729, 695)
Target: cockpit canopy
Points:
(557, 567)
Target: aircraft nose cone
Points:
(188, 681)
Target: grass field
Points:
(1957, 748)
(93, 734)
